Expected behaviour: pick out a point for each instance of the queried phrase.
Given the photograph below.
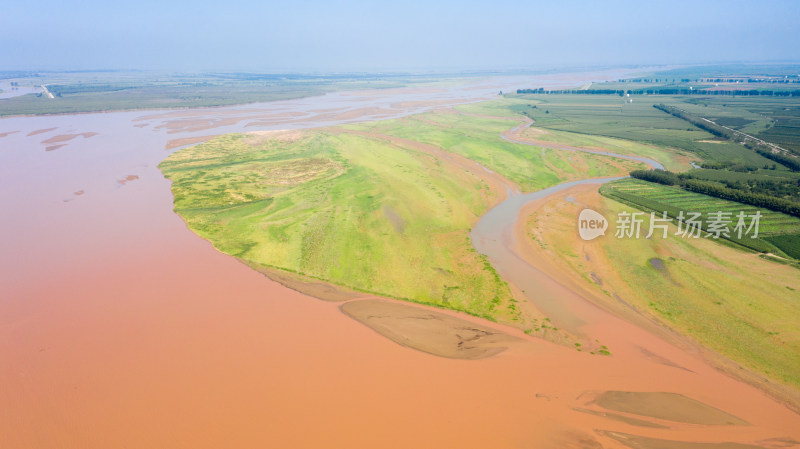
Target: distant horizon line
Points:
(406, 71)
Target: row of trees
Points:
(737, 167)
(761, 194)
(742, 196)
(668, 91)
(773, 80)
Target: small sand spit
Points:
(67, 137)
(128, 179)
(429, 331)
(666, 406)
(40, 131)
(311, 287)
(175, 143)
(639, 442)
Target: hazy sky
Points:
(400, 35)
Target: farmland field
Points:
(773, 119)
(659, 198)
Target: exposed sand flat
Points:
(320, 111)
(621, 418)
(128, 179)
(427, 330)
(353, 114)
(54, 147)
(193, 121)
(269, 123)
(8, 133)
(423, 104)
(284, 135)
(68, 137)
(395, 91)
(638, 442)
(308, 286)
(175, 143)
(215, 112)
(40, 131)
(191, 125)
(666, 406)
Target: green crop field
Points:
(611, 116)
(650, 196)
(776, 120)
(518, 107)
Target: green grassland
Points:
(505, 106)
(660, 198)
(672, 158)
(477, 138)
(740, 305)
(519, 107)
(346, 206)
(343, 208)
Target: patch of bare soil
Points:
(283, 135)
(175, 143)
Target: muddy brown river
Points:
(119, 328)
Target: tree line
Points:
(668, 91)
(715, 189)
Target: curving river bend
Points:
(494, 237)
